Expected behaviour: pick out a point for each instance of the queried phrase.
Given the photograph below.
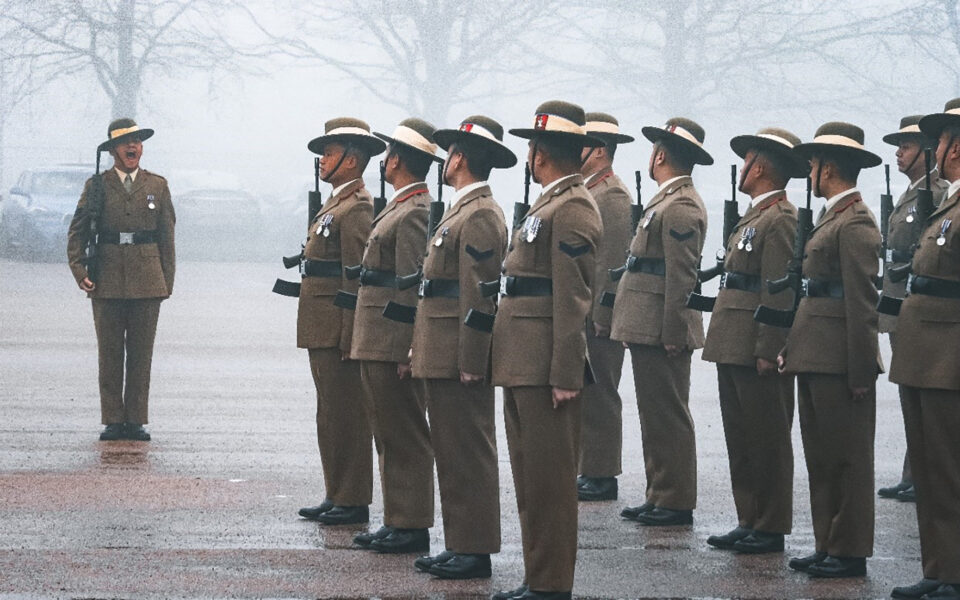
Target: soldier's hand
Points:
(87, 285)
(765, 367)
(781, 363)
(470, 378)
(404, 370)
(859, 393)
(561, 395)
(672, 350)
(601, 331)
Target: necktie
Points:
(128, 183)
(820, 215)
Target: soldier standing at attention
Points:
(539, 347)
(926, 353)
(602, 434)
(756, 402)
(335, 238)
(396, 247)
(904, 232)
(451, 352)
(832, 348)
(652, 318)
(135, 266)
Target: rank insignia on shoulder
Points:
(443, 233)
(649, 218)
(323, 228)
(682, 237)
(530, 229)
(150, 203)
(944, 226)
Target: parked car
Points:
(37, 213)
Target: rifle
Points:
(520, 209)
(794, 277)
(889, 305)
(731, 217)
(380, 202)
(636, 210)
(886, 209)
(314, 204)
(94, 208)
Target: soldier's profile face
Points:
(329, 159)
(907, 151)
(126, 155)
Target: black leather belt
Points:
(526, 286)
(378, 278)
(124, 238)
(640, 264)
(321, 268)
(734, 280)
(822, 288)
(931, 286)
(439, 288)
(898, 256)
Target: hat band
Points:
(478, 130)
(348, 131)
(680, 131)
(602, 127)
(838, 140)
(953, 111)
(123, 131)
(910, 129)
(412, 137)
(547, 122)
(776, 138)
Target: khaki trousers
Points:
(125, 330)
(402, 439)
(343, 428)
(602, 431)
(544, 448)
(933, 420)
(666, 425)
(757, 417)
(463, 435)
(838, 438)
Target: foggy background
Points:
(235, 89)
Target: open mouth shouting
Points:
(127, 155)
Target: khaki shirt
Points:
(541, 341)
(133, 270)
(734, 337)
(613, 200)
(926, 350)
(346, 219)
(839, 335)
(652, 309)
(468, 247)
(397, 243)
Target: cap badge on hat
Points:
(466, 127)
(541, 122)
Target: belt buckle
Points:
(126, 238)
(423, 287)
(889, 256)
(303, 268)
(910, 283)
(503, 287)
(723, 280)
(631, 262)
(805, 287)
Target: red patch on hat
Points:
(541, 122)
(466, 127)
(671, 128)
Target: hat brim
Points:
(933, 125)
(142, 134)
(612, 138)
(894, 139)
(657, 134)
(861, 158)
(392, 141)
(503, 157)
(799, 165)
(561, 136)
(368, 143)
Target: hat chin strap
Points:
(346, 149)
(816, 188)
(584, 160)
(533, 161)
(914, 161)
(746, 170)
(940, 165)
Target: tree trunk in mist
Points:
(674, 95)
(435, 37)
(127, 84)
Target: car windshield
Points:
(59, 183)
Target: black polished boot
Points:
(727, 540)
(760, 542)
(425, 562)
(596, 489)
(892, 491)
(802, 563)
(112, 432)
(345, 515)
(365, 539)
(835, 567)
(402, 541)
(135, 431)
(665, 517)
(312, 512)
(908, 495)
(632, 512)
(463, 566)
(510, 594)
(917, 590)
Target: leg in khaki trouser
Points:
(402, 439)
(126, 330)
(462, 431)
(666, 426)
(544, 449)
(838, 436)
(602, 431)
(933, 419)
(343, 428)
(757, 417)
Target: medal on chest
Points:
(150, 203)
(944, 226)
(323, 227)
(649, 219)
(443, 233)
(910, 214)
(530, 229)
(746, 239)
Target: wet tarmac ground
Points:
(208, 508)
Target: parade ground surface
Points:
(208, 509)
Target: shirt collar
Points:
(553, 184)
(397, 193)
(953, 189)
(462, 192)
(933, 177)
(832, 202)
(667, 183)
(123, 176)
(341, 187)
(762, 197)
